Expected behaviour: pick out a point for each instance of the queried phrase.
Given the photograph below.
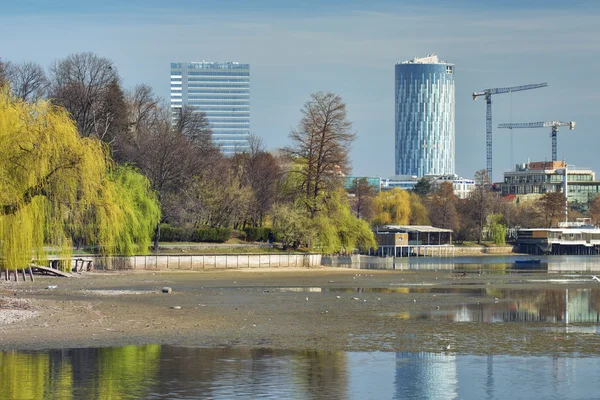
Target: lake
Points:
(164, 372)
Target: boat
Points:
(528, 261)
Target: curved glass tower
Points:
(424, 117)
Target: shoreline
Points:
(330, 309)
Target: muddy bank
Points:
(296, 309)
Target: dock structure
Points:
(413, 241)
(55, 268)
(584, 240)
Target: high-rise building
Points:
(424, 117)
(222, 91)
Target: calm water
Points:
(498, 264)
(163, 372)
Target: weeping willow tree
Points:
(54, 183)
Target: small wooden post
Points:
(23, 272)
(30, 273)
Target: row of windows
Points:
(217, 91)
(220, 103)
(233, 80)
(229, 120)
(217, 86)
(539, 178)
(231, 132)
(230, 137)
(218, 73)
(211, 65)
(195, 96)
(230, 126)
(221, 111)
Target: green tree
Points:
(418, 212)
(53, 179)
(292, 226)
(338, 230)
(392, 207)
(422, 188)
(497, 229)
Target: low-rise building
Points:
(462, 187)
(350, 182)
(583, 240)
(548, 177)
(407, 240)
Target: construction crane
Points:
(488, 120)
(548, 124)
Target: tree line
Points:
(184, 181)
(484, 215)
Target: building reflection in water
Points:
(565, 306)
(170, 372)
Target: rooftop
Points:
(212, 65)
(428, 59)
(411, 228)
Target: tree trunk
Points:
(156, 237)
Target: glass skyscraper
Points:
(222, 91)
(424, 117)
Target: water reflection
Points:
(489, 264)
(563, 306)
(170, 372)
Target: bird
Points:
(594, 277)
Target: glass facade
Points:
(222, 91)
(425, 134)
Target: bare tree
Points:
(194, 125)
(442, 207)
(321, 144)
(3, 72)
(550, 207)
(81, 83)
(362, 203)
(28, 81)
(143, 107)
(481, 201)
(261, 172)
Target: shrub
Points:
(258, 234)
(172, 234)
(218, 235)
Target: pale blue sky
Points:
(350, 48)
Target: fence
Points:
(207, 262)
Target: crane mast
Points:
(544, 124)
(488, 120)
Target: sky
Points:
(350, 48)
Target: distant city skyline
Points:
(350, 49)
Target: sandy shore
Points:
(297, 309)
